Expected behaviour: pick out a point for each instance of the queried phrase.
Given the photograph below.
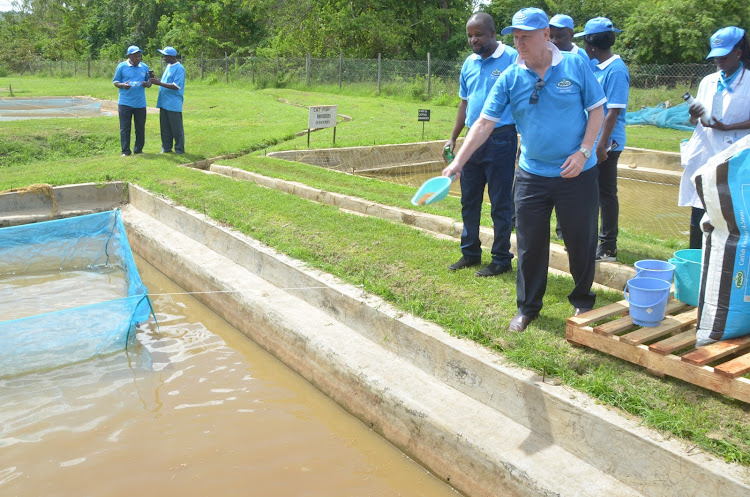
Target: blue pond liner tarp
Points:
(676, 117)
(76, 334)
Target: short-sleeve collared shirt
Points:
(553, 128)
(614, 77)
(172, 99)
(134, 76)
(478, 76)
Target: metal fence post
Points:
(88, 67)
(252, 68)
(429, 76)
(307, 69)
(226, 67)
(379, 67)
(341, 64)
(203, 68)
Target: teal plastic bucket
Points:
(648, 300)
(687, 275)
(652, 268)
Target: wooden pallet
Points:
(667, 349)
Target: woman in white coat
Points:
(725, 97)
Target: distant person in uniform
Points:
(556, 168)
(612, 73)
(561, 33)
(493, 163)
(169, 102)
(131, 77)
(561, 30)
(725, 96)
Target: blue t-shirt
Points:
(581, 53)
(478, 76)
(614, 77)
(553, 128)
(134, 76)
(172, 99)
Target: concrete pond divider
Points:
(486, 427)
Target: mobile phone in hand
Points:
(151, 74)
(612, 145)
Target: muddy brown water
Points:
(197, 409)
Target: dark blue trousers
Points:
(576, 201)
(138, 116)
(492, 165)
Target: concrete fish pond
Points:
(460, 410)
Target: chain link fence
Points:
(423, 78)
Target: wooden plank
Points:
(734, 368)
(670, 325)
(625, 323)
(614, 327)
(710, 353)
(677, 342)
(669, 364)
(600, 313)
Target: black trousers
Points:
(576, 202)
(608, 202)
(171, 131)
(138, 116)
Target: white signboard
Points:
(322, 116)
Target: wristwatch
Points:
(586, 152)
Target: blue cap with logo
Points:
(133, 49)
(724, 40)
(597, 25)
(561, 21)
(168, 51)
(528, 19)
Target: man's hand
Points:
(716, 124)
(451, 169)
(572, 166)
(601, 153)
(124, 86)
(451, 145)
(155, 81)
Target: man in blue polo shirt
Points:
(493, 163)
(131, 77)
(556, 169)
(561, 34)
(171, 95)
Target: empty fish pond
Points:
(194, 409)
(16, 108)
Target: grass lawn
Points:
(400, 264)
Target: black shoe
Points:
(603, 255)
(493, 269)
(464, 262)
(520, 322)
(581, 310)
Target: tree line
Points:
(656, 32)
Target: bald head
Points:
(482, 19)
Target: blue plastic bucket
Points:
(652, 268)
(648, 300)
(687, 275)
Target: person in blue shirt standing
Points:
(171, 95)
(612, 73)
(131, 77)
(556, 169)
(561, 33)
(493, 163)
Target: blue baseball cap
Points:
(528, 19)
(168, 51)
(133, 49)
(597, 25)
(724, 40)
(561, 21)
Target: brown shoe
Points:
(520, 322)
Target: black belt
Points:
(504, 129)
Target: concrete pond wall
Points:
(486, 427)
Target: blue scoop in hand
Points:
(432, 190)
